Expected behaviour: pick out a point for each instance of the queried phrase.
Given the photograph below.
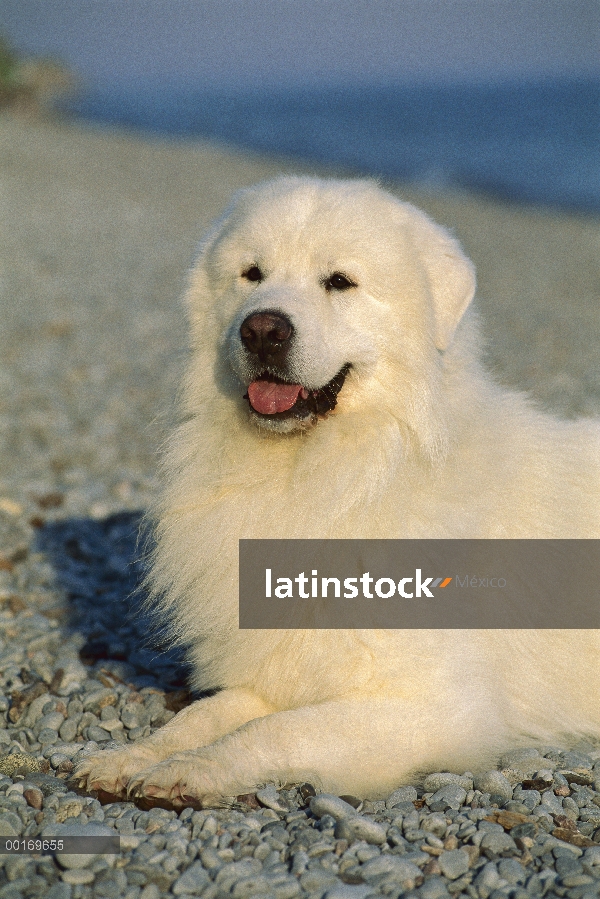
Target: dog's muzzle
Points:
(273, 398)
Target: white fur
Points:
(421, 444)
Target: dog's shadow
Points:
(99, 566)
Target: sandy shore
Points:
(97, 231)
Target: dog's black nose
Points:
(267, 335)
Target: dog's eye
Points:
(253, 274)
(337, 281)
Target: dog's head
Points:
(319, 292)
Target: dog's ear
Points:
(450, 274)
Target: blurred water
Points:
(531, 142)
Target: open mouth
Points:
(274, 398)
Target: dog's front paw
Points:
(186, 779)
(110, 770)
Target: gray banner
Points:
(419, 584)
(82, 845)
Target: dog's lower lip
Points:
(308, 402)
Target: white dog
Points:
(335, 390)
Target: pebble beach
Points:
(97, 232)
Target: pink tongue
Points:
(267, 397)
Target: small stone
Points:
(269, 797)
(130, 716)
(58, 758)
(512, 871)
(10, 824)
(403, 794)
(99, 734)
(328, 804)
(98, 699)
(150, 891)
(554, 803)
(451, 796)
(34, 797)
(349, 891)
(454, 863)
(307, 791)
(19, 761)
(360, 828)
(317, 880)
(573, 837)
(574, 759)
(582, 777)
(487, 880)
(435, 824)
(434, 888)
(192, 881)
(576, 880)
(434, 782)
(70, 808)
(47, 735)
(497, 842)
(47, 784)
(514, 756)
(509, 819)
(68, 730)
(52, 720)
(592, 855)
(78, 875)
(495, 783)
(392, 865)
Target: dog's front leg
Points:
(197, 725)
(363, 747)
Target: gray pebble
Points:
(52, 720)
(498, 842)
(512, 871)
(451, 796)
(393, 865)
(434, 888)
(404, 794)
(328, 804)
(59, 891)
(554, 803)
(99, 734)
(192, 881)
(454, 863)
(592, 855)
(495, 783)
(47, 784)
(10, 824)
(317, 880)
(78, 876)
(435, 824)
(575, 759)
(150, 891)
(68, 730)
(361, 828)
(350, 891)
(47, 735)
(270, 798)
(434, 782)
(487, 880)
(514, 756)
